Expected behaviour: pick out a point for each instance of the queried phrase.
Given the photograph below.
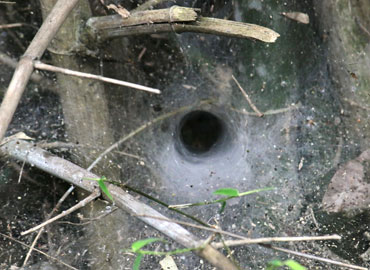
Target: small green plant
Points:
(137, 246)
(229, 193)
(102, 185)
(291, 264)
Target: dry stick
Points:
(312, 257)
(21, 172)
(231, 243)
(39, 251)
(35, 50)
(245, 240)
(79, 205)
(196, 226)
(74, 174)
(40, 65)
(269, 112)
(61, 200)
(247, 97)
(107, 27)
(10, 25)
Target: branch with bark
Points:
(175, 19)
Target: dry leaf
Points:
(348, 189)
(168, 263)
(17, 136)
(300, 165)
(124, 13)
(297, 16)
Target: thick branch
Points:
(25, 66)
(74, 174)
(163, 21)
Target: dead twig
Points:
(61, 200)
(82, 203)
(165, 21)
(21, 172)
(269, 112)
(24, 68)
(39, 251)
(40, 65)
(10, 25)
(245, 240)
(247, 97)
(275, 239)
(316, 258)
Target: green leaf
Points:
(136, 246)
(136, 265)
(104, 187)
(294, 265)
(232, 192)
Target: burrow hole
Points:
(200, 131)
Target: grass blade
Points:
(104, 188)
(137, 245)
(136, 265)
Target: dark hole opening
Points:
(200, 130)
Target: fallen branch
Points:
(74, 174)
(40, 65)
(164, 21)
(35, 50)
